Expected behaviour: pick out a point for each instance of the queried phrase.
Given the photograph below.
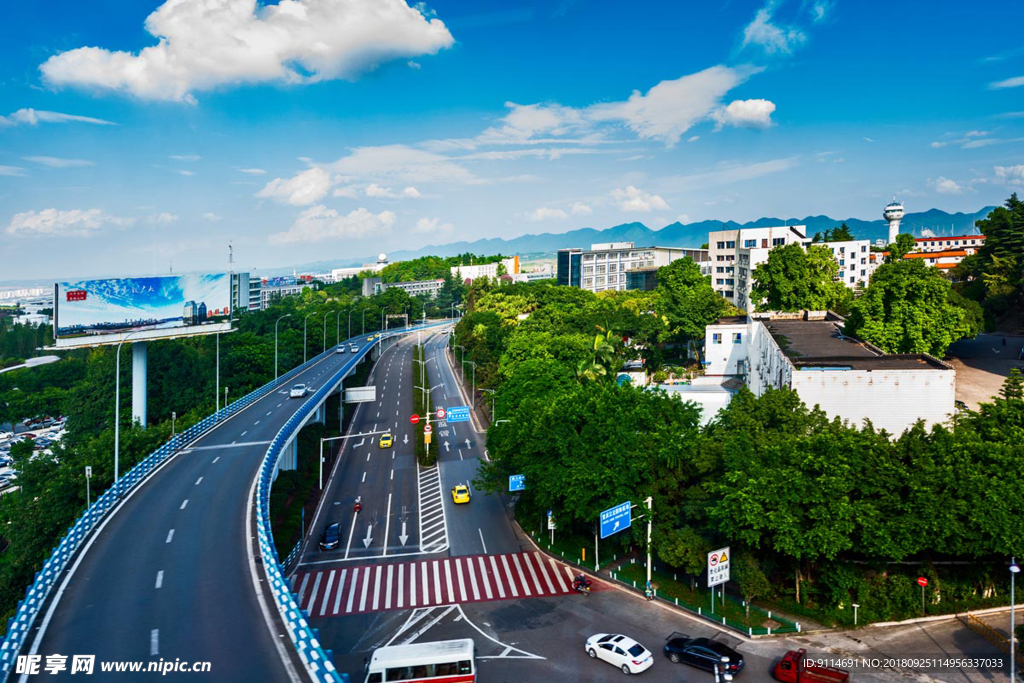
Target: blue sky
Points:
(144, 135)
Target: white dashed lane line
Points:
(160, 578)
(170, 535)
(198, 480)
(184, 504)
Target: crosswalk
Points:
(433, 526)
(427, 583)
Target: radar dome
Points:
(382, 257)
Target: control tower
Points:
(894, 214)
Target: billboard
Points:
(92, 312)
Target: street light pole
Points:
(286, 315)
(117, 408)
(350, 323)
(364, 322)
(216, 390)
(1014, 570)
(472, 396)
(491, 392)
(650, 514)
(304, 323)
(462, 364)
(326, 315)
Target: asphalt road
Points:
(169, 576)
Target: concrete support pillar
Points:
(289, 456)
(139, 383)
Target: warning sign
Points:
(718, 566)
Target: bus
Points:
(443, 661)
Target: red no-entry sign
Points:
(922, 582)
(414, 418)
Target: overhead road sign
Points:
(614, 520)
(361, 395)
(516, 482)
(458, 414)
(718, 566)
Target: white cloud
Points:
(671, 108)
(634, 199)
(251, 171)
(33, 117)
(204, 44)
(163, 218)
(683, 218)
(11, 171)
(771, 37)
(544, 213)
(400, 163)
(305, 188)
(925, 232)
(318, 223)
(1011, 175)
(376, 191)
(693, 138)
(525, 122)
(744, 113)
(432, 225)
(549, 153)
(414, 65)
(58, 162)
(977, 133)
(185, 173)
(581, 209)
(821, 10)
(54, 222)
(185, 157)
(349, 192)
(1015, 82)
(973, 140)
(867, 139)
(211, 217)
(946, 186)
(727, 174)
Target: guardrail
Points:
(46, 578)
(296, 621)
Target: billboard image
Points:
(88, 312)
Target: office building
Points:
(847, 378)
(618, 266)
(731, 275)
(568, 267)
(854, 259)
(430, 288)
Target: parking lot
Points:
(42, 432)
(982, 364)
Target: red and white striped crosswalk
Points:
(428, 583)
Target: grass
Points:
(678, 592)
(575, 547)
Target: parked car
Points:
(620, 651)
(298, 391)
(331, 537)
(794, 668)
(703, 653)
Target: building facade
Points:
(961, 242)
(374, 285)
(490, 270)
(609, 266)
(270, 290)
(844, 377)
(568, 267)
(726, 246)
(854, 259)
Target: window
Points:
(730, 269)
(716, 337)
(842, 262)
(778, 241)
(863, 248)
(749, 244)
(730, 281)
(730, 294)
(398, 673)
(730, 245)
(721, 245)
(374, 678)
(764, 243)
(737, 338)
(851, 279)
(719, 258)
(720, 281)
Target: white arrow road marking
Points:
(403, 537)
(406, 439)
(369, 538)
(467, 443)
(447, 447)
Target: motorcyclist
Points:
(359, 503)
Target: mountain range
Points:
(932, 222)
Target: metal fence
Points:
(53, 568)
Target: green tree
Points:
(685, 549)
(751, 579)
(795, 279)
(686, 299)
(903, 245)
(908, 308)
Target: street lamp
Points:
(286, 315)
(304, 323)
(462, 365)
(491, 392)
(1014, 570)
(364, 322)
(174, 416)
(349, 323)
(326, 315)
(472, 396)
(117, 408)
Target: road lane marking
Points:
(472, 579)
(215, 459)
(412, 586)
(482, 542)
(337, 598)
(387, 526)
(170, 535)
(366, 587)
(392, 471)
(255, 423)
(377, 576)
(316, 589)
(160, 578)
(327, 594)
(184, 504)
(484, 578)
(437, 583)
(352, 589)
(244, 433)
(448, 580)
(302, 589)
(522, 576)
(364, 475)
(154, 642)
(387, 595)
(462, 582)
(198, 480)
(494, 566)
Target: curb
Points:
(938, 617)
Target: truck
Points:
(794, 668)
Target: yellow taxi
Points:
(460, 493)
(385, 440)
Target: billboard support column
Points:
(139, 383)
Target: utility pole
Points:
(650, 513)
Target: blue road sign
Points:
(458, 414)
(614, 520)
(516, 482)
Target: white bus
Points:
(444, 661)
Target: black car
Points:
(331, 538)
(702, 653)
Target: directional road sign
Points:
(614, 520)
(516, 482)
(458, 414)
(440, 413)
(414, 418)
(718, 566)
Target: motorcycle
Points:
(359, 504)
(581, 584)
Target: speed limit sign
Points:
(440, 413)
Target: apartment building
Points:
(854, 259)
(619, 266)
(731, 274)
(969, 243)
(489, 270)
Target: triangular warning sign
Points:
(723, 558)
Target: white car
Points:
(620, 651)
(340, 349)
(354, 349)
(298, 391)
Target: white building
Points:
(844, 377)
(854, 259)
(279, 287)
(373, 286)
(544, 273)
(338, 274)
(724, 251)
(970, 243)
(490, 270)
(621, 265)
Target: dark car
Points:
(331, 538)
(702, 653)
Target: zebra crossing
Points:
(433, 525)
(429, 583)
